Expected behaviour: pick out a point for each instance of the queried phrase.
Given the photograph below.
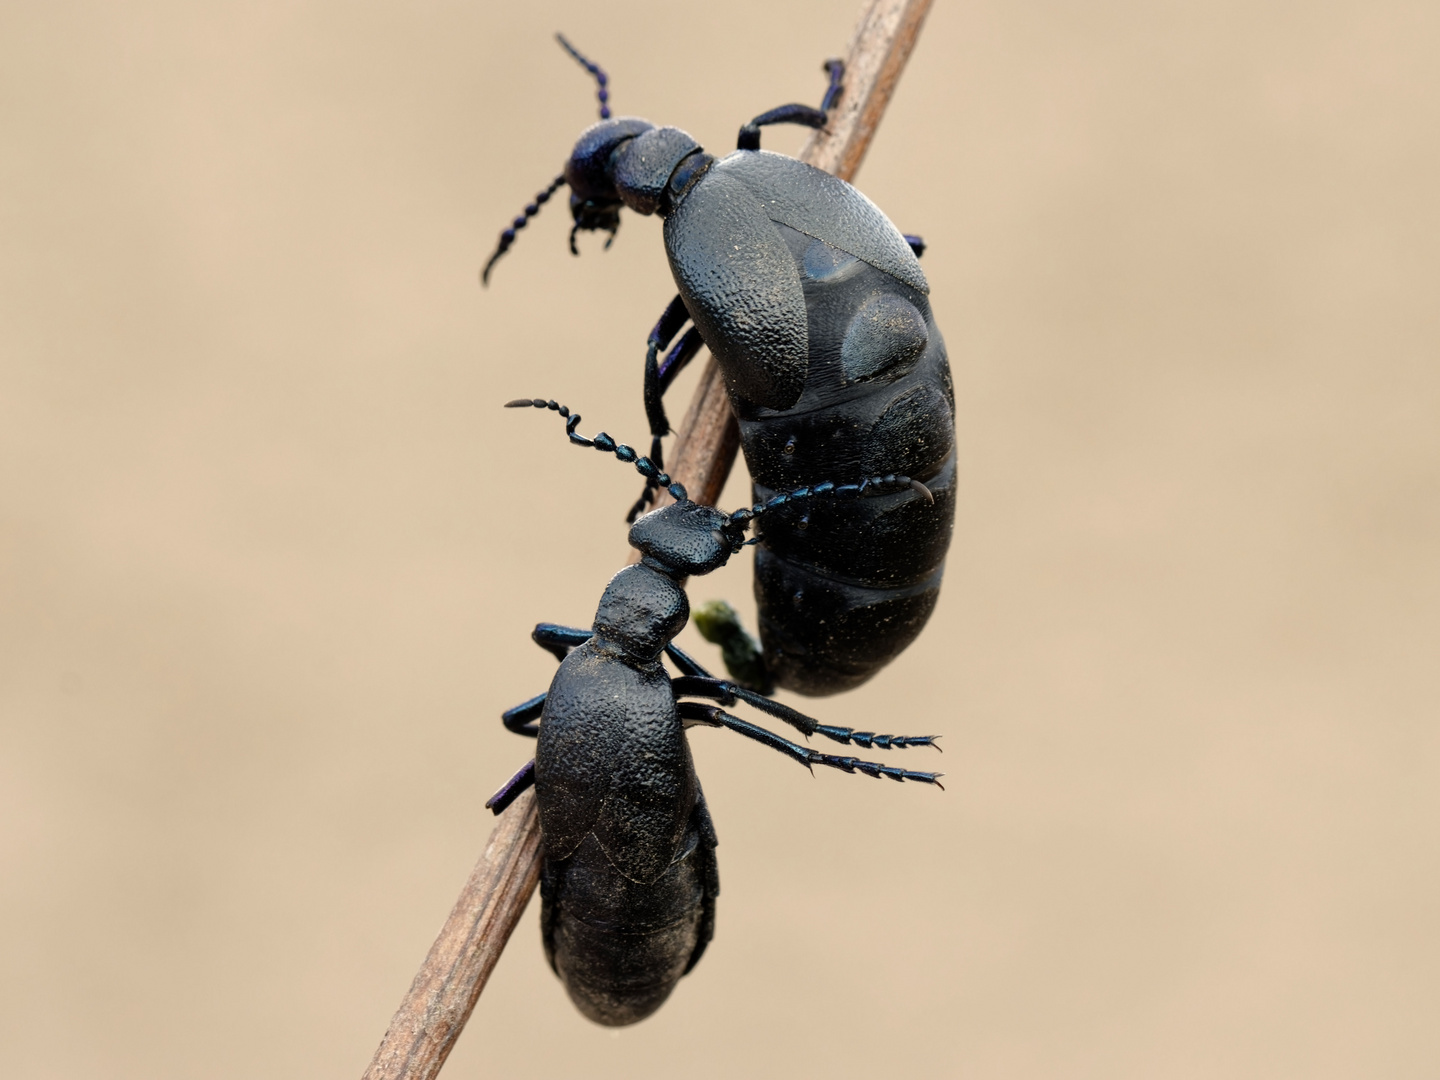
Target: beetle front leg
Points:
(674, 317)
(558, 640)
(658, 377)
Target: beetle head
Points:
(594, 200)
(686, 538)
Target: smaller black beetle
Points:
(629, 878)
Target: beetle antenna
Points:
(604, 443)
(594, 69)
(508, 236)
(746, 514)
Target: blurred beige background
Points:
(270, 550)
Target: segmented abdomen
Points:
(619, 946)
(844, 585)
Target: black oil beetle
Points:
(629, 879)
(818, 312)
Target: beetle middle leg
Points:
(697, 713)
(521, 719)
(558, 641)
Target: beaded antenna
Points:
(507, 237)
(746, 514)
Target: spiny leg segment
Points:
(727, 693)
(700, 713)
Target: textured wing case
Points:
(612, 762)
(735, 273)
(825, 207)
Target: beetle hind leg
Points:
(698, 713)
(521, 782)
(727, 692)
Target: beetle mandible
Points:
(629, 878)
(817, 310)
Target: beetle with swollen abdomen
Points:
(818, 313)
(629, 878)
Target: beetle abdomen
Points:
(823, 636)
(620, 946)
(843, 586)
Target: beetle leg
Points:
(518, 783)
(797, 114)
(678, 357)
(709, 873)
(807, 115)
(520, 718)
(658, 377)
(558, 640)
(727, 692)
(699, 713)
(674, 317)
(685, 662)
(835, 69)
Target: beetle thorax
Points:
(640, 613)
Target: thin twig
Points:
(441, 998)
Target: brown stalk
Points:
(443, 994)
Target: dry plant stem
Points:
(430, 1019)
(443, 994)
